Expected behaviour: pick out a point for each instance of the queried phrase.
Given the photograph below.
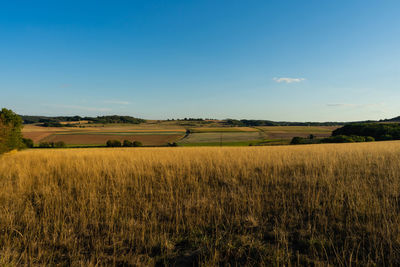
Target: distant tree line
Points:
(379, 131)
(253, 123)
(59, 144)
(192, 119)
(333, 139)
(125, 143)
(357, 132)
(56, 121)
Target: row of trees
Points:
(59, 144)
(253, 123)
(125, 143)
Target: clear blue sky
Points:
(278, 60)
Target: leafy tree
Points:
(369, 139)
(113, 143)
(45, 145)
(127, 143)
(28, 142)
(338, 139)
(59, 144)
(10, 131)
(137, 143)
(297, 140)
(173, 144)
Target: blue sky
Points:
(278, 60)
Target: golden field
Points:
(334, 204)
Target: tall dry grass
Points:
(299, 205)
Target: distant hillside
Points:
(395, 119)
(56, 121)
(248, 123)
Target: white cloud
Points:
(288, 80)
(117, 102)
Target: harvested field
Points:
(222, 129)
(221, 136)
(101, 139)
(36, 136)
(34, 128)
(288, 132)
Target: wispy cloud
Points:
(369, 105)
(341, 105)
(288, 80)
(117, 102)
(79, 107)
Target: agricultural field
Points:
(149, 134)
(160, 133)
(244, 136)
(328, 204)
(216, 137)
(288, 132)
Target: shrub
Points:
(46, 145)
(28, 142)
(369, 139)
(338, 139)
(127, 143)
(173, 144)
(386, 137)
(357, 138)
(59, 144)
(297, 140)
(137, 143)
(113, 143)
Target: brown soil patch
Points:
(36, 136)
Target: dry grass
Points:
(298, 205)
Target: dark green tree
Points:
(137, 143)
(127, 143)
(10, 131)
(113, 143)
(297, 140)
(59, 144)
(28, 142)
